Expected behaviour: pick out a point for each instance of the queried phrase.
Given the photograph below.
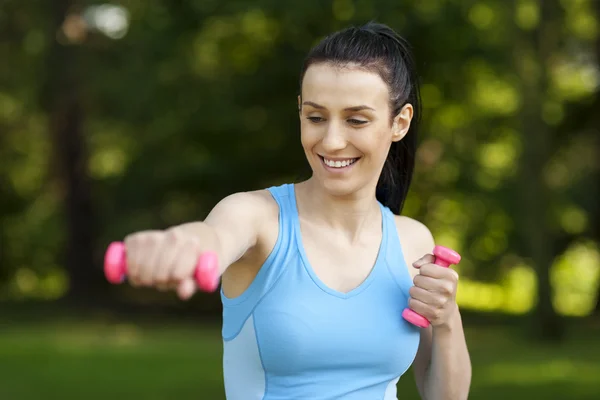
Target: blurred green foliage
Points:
(195, 99)
(144, 115)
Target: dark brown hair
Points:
(379, 48)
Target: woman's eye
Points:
(354, 121)
(315, 119)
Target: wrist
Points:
(450, 324)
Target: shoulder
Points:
(256, 211)
(255, 204)
(415, 238)
(414, 232)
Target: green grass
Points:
(114, 361)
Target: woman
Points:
(315, 275)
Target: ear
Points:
(401, 123)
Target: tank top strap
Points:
(237, 310)
(285, 197)
(395, 260)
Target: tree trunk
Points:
(533, 49)
(63, 103)
(596, 125)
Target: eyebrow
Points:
(354, 108)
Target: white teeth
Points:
(339, 164)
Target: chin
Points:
(339, 187)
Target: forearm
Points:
(205, 234)
(209, 239)
(448, 375)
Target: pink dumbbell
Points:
(444, 257)
(206, 273)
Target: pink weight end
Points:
(115, 267)
(445, 256)
(414, 318)
(207, 272)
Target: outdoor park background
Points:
(143, 114)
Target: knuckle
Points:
(441, 301)
(140, 240)
(152, 238)
(191, 243)
(172, 236)
(448, 288)
(454, 275)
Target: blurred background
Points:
(132, 115)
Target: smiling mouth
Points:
(338, 163)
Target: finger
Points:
(149, 258)
(186, 289)
(425, 296)
(426, 259)
(166, 259)
(426, 282)
(185, 261)
(438, 272)
(164, 266)
(446, 287)
(132, 246)
(423, 309)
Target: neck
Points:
(351, 214)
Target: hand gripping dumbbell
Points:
(444, 257)
(206, 273)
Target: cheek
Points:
(308, 137)
(375, 143)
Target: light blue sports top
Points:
(289, 336)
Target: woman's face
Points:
(345, 127)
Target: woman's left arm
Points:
(442, 366)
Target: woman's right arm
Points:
(167, 259)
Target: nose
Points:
(334, 138)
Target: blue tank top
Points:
(289, 336)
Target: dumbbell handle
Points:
(444, 257)
(206, 273)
